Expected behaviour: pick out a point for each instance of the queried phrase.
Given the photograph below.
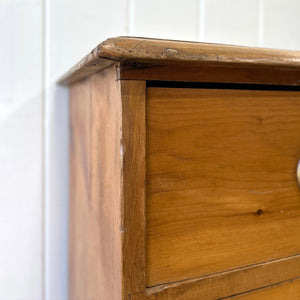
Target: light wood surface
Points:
(95, 185)
(126, 49)
(105, 256)
(107, 170)
(134, 178)
(288, 291)
(221, 180)
(80, 187)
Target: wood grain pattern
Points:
(107, 201)
(80, 183)
(221, 183)
(87, 66)
(126, 49)
(134, 177)
(226, 284)
(288, 291)
(95, 188)
(180, 193)
(147, 49)
(105, 235)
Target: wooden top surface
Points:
(122, 49)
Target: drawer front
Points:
(221, 180)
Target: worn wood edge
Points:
(147, 49)
(170, 51)
(228, 283)
(133, 152)
(89, 65)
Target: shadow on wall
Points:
(34, 191)
(21, 198)
(56, 191)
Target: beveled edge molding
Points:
(122, 49)
(227, 283)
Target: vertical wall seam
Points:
(200, 16)
(198, 20)
(43, 150)
(46, 139)
(260, 23)
(130, 17)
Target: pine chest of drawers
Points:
(183, 172)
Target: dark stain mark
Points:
(137, 65)
(259, 212)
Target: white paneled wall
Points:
(76, 26)
(21, 149)
(40, 40)
(231, 22)
(165, 19)
(73, 28)
(281, 24)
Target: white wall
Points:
(40, 40)
(73, 28)
(21, 149)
